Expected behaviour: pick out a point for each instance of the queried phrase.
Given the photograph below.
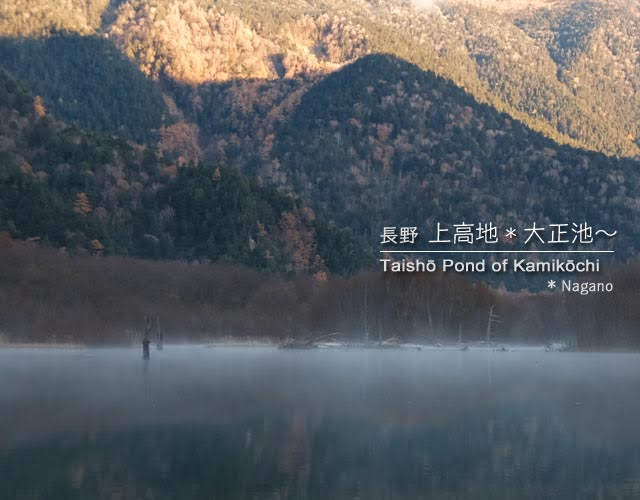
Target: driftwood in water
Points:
(306, 343)
(297, 344)
(316, 341)
(391, 342)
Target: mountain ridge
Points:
(88, 192)
(354, 139)
(511, 60)
(412, 149)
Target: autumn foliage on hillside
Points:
(88, 192)
(566, 68)
(195, 42)
(383, 143)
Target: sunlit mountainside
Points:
(567, 68)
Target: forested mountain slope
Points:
(381, 143)
(91, 192)
(566, 68)
(366, 112)
(87, 81)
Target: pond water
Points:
(262, 423)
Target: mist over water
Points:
(227, 423)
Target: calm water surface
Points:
(261, 423)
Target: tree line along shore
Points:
(49, 296)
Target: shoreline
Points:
(409, 346)
(42, 345)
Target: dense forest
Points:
(284, 136)
(274, 93)
(51, 296)
(361, 151)
(90, 192)
(381, 142)
(114, 97)
(567, 69)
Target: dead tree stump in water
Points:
(145, 341)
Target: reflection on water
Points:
(261, 423)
